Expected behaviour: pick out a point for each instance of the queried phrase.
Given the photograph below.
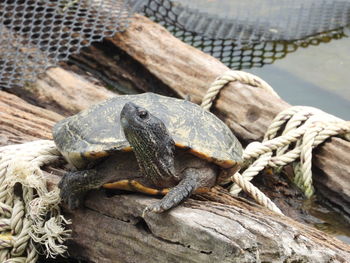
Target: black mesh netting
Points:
(257, 32)
(253, 21)
(36, 34)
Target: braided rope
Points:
(23, 214)
(230, 76)
(304, 128)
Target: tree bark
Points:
(214, 228)
(113, 230)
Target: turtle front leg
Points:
(75, 185)
(194, 178)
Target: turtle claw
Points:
(75, 185)
(146, 210)
(154, 208)
(71, 199)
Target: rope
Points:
(304, 129)
(230, 76)
(26, 204)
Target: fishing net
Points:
(246, 34)
(245, 56)
(254, 20)
(36, 34)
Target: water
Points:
(316, 76)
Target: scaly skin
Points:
(197, 174)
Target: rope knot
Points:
(24, 213)
(289, 139)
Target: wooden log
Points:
(214, 228)
(113, 230)
(63, 91)
(22, 122)
(247, 110)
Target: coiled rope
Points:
(304, 129)
(29, 213)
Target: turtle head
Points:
(135, 118)
(150, 140)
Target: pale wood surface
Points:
(22, 122)
(111, 229)
(63, 91)
(214, 227)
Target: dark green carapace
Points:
(147, 143)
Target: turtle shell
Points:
(96, 132)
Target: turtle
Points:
(147, 143)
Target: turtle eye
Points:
(143, 114)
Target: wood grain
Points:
(213, 228)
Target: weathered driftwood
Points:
(112, 229)
(63, 91)
(214, 227)
(147, 57)
(22, 122)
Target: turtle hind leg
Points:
(194, 178)
(75, 185)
